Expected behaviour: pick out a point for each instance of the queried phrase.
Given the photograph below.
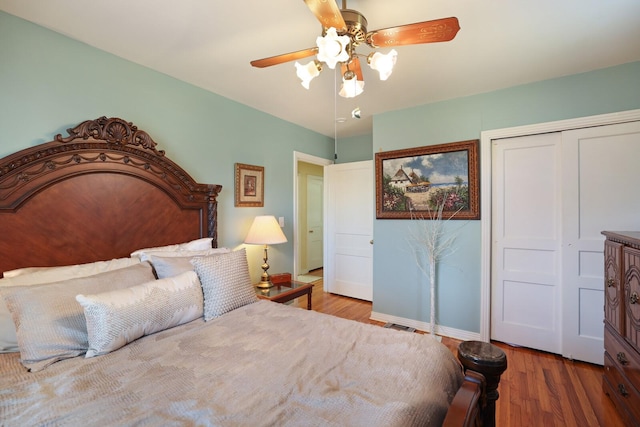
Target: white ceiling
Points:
(209, 43)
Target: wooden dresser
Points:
(621, 381)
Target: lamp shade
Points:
(332, 48)
(265, 231)
(383, 64)
(308, 72)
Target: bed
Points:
(105, 194)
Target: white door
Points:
(600, 176)
(549, 207)
(525, 294)
(314, 222)
(348, 268)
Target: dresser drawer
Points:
(622, 393)
(623, 355)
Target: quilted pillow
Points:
(50, 324)
(226, 283)
(119, 317)
(41, 275)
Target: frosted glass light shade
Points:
(332, 48)
(308, 72)
(265, 231)
(382, 63)
(351, 88)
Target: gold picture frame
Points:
(412, 182)
(249, 185)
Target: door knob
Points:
(371, 242)
(310, 231)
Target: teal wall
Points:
(354, 149)
(49, 83)
(400, 289)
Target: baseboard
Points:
(424, 326)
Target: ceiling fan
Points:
(345, 29)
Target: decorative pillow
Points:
(226, 283)
(194, 245)
(146, 256)
(50, 324)
(174, 265)
(41, 275)
(116, 318)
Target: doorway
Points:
(308, 210)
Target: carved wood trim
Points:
(113, 130)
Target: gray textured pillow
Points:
(226, 283)
(50, 324)
(119, 317)
(171, 266)
(167, 266)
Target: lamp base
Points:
(265, 285)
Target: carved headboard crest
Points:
(113, 130)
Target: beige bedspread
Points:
(264, 364)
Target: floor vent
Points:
(399, 327)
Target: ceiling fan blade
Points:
(286, 57)
(439, 30)
(354, 65)
(328, 13)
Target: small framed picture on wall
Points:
(249, 185)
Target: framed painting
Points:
(416, 182)
(249, 185)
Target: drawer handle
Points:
(611, 282)
(633, 298)
(622, 358)
(623, 391)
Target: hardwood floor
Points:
(537, 389)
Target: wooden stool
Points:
(491, 362)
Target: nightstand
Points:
(286, 291)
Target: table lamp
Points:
(265, 230)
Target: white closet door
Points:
(601, 174)
(525, 294)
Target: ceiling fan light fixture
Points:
(351, 86)
(308, 72)
(332, 48)
(382, 63)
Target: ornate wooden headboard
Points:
(99, 193)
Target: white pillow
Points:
(119, 317)
(194, 245)
(146, 256)
(41, 275)
(50, 324)
(25, 270)
(226, 283)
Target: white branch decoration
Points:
(430, 243)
